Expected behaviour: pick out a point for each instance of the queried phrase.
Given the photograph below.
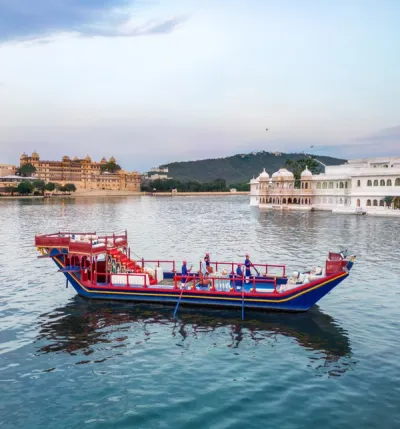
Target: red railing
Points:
(263, 266)
(158, 262)
(234, 279)
(109, 281)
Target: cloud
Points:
(27, 19)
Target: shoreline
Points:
(123, 194)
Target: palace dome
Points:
(88, 158)
(112, 159)
(65, 158)
(253, 181)
(35, 155)
(103, 160)
(263, 176)
(23, 156)
(306, 173)
(283, 174)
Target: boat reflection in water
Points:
(103, 329)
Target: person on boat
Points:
(185, 273)
(204, 267)
(247, 264)
(239, 273)
(203, 280)
(207, 261)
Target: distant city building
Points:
(358, 186)
(13, 181)
(7, 170)
(156, 173)
(85, 174)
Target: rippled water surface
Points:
(66, 362)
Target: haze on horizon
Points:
(151, 82)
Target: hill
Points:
(237, 168)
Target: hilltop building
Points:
(357, 186)
(85, 174)
(156, 173)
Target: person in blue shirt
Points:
(185, 272)
(207, 259)
(247, 264)
(239, 273)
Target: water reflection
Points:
(83, 327)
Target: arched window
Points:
(368, 202)
(381, 203)
(341, 185)
(302, 185)
(306, 185)
(375, 182)
(358, 184)
(397, 182)
(330, 185)
(358, 203)
(382, 183)
(345, 185)
(369, 183)
(324, 185)
(341, 201)
(284, 201)
(289, 201)
(375, 203)
(318, 185)
(388, 182)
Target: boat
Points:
(102, 266)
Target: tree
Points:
(110, 167)
(40, 185)
(297, 167)
(388, 201)
(50, 187)
(59, 187)
(26, 170)
(25, 188)
(70, 187)
(11, 189)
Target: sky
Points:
(151, 82)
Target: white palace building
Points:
(359, 186)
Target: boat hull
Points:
(296, 300)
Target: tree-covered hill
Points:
(238, 168)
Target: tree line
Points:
(167, 185)
(38, 187)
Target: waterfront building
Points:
(85, 174)
(7, 170)
(12, 181)
(358, 186)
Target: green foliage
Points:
(111, 167)
(25, 188)
(50, 186)
(239, 168)
(70, 187)
(241, 187)
(297, 167)
(388, 201)
(166, 185)
(40, 186)
(26, 170)
(11, 189)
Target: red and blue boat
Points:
(102, 266)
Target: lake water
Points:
(70, 363)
